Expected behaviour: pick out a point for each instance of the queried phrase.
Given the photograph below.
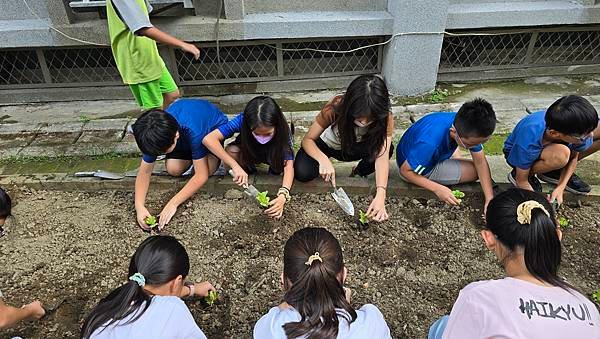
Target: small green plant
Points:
(362, 217)
(84, 118)
(438, 95)
(458, 195)
(151, 221)
(263, 199)
(563, 222)
(596, 295)
(211, 298)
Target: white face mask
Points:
(360, 124)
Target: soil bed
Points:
(76, 246)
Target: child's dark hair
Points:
(572, 115)
(315, 290)
(5, 204)
(366, 96)
(155, 131)
(475, 118)
(159, 259)
(538, 240)
(263, 111)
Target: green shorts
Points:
(150, 94)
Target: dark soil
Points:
(77, 246)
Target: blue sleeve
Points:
(148, 158)
(421, 157)
(232, 127)
(521, 157)
(476, 149)
(290, 154)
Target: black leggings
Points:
(307, 168)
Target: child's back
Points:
(167, 317)
(369, 323)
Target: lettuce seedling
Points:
(263, 199)
(151, 221)
(458, 194)
(211, 298)
(563, 222)
(362, 217)
(596, 295)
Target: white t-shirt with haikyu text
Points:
(517, 309)
(369, 324)
(167, 318)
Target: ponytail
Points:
(313, 266)
(522, 219)
(119, 304)
(158, 260)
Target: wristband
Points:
(285, 192)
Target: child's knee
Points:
(175, 172)
(559, 155)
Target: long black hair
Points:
(5, 204)
(263, 111)
(366, 96)
(154, 131)
(315, 289)
(538, 240)
(159, 259)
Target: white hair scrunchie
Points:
(524, 211)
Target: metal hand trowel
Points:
(250, 190)
(342, 199)
(101, 174)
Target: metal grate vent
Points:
(81, 65)
(539, 52)
(247, 61)
(20, 68)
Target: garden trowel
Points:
(342, 199)
(101, 174)
(250, 190)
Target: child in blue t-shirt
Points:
(178, 133)
(551, 143)
(427, 157)
(264, 138)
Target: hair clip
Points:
(312, 258)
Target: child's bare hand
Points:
(142, 214)
(202, 289)
(192, 49)
(276, 207)
(36, 309)
(166, 215)
(445, 194)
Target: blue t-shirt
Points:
(235, 126)
(196, 118)
(524, 145)
(427, 142)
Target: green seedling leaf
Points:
(596, 295)
(211, 297)
(151, 221)
(362, 217)
(563, 222)
(458, 194)
(263, 198)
